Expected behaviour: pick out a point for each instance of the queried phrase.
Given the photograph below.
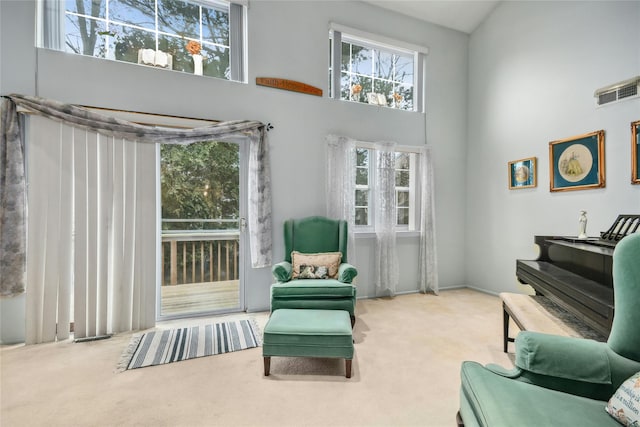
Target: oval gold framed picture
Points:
(577, 163)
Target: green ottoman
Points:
(308, 333)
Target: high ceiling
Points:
(460, 15)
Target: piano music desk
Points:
(536, 313)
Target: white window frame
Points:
(414, 191)
(413, 207)
(52, 20)
(338, 33)
(367, 188)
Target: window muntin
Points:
(363, 189)
(370, 68)
(367, 71)
(118, 29)
(405, 187)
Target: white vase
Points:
(197, 64)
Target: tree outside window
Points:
(376, 76)
(118, 29)
(200, 182)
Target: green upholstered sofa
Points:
(562, 381)
(310, 235)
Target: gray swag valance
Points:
(13, 185)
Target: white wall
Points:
(533, 68)
(287, 40)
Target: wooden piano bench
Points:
(536, 313)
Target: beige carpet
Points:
(405, 373)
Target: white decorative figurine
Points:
(582, 225)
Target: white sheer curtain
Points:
(340, 189)
(91, 232)
(386, 263)
(341, 184)
(428, 258)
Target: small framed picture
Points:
(635, 148)
(522, 173)
(577, 163)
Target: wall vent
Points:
(619, 91)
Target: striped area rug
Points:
(173, 345)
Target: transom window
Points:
(405, 186)
(367, 71)
(198, 36)
(376, 76)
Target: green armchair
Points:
(562, 381)
(313, 235)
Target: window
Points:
(363, 189)
(406, 189)
(171, 34)
(368, 71)
(376, 76)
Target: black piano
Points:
(576, 274)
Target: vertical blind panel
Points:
(92, 233)
(145, 237)
(80, 234)
(51, 149)
(128, 235)
(66, 233)
(116, 255)
(49, 232)
(136, 296)
(105, 206)
(148, 232)
(90, 256)
(36, 232)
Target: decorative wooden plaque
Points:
(291, 85)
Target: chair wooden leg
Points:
(353, 321)
(459, 421)
(267, 365)
(347, 366)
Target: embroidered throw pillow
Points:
(315, 266)
(624, 406)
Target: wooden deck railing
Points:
(199, 256)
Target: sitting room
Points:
(159, 157)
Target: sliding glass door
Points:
(203, 221)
